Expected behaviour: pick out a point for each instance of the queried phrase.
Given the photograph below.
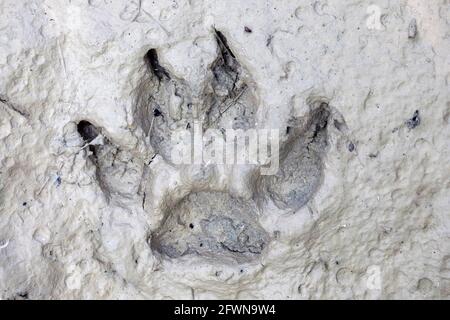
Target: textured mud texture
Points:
(211, 224)
(93, 207)
(118, 171)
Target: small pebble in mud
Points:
(414, 121)
(351, 147)
(412, 29)
(247, 29)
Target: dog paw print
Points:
(207, 222)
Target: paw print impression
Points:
(204, 219)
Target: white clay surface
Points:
(378, 225)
